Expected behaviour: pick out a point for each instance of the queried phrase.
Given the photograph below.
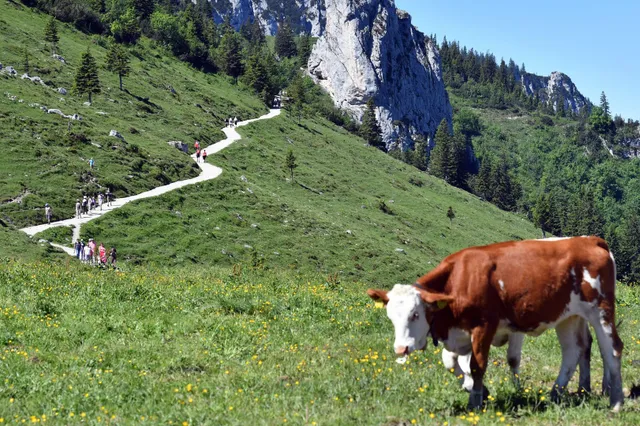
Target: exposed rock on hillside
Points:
(369, 48)
(558, 87)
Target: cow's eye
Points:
(415, 316)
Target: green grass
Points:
(17, 245)
(43, 161)
(271, 221)
(246, 346)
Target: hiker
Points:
(91, 163)
(87, 253)
(48, 212)
(78, 208)
(76, 247)
(230, 122)
(197, 156)
(235, 121)
(100, 200)
(102, 251)
(92, 251)
(196, 145)
(85, 205)
(81, 250)
(204, 156)
(112, 257)
(109, 196)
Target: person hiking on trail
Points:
(85, 205)
(197, 156)
(112, 257)
(91, 163)
(235, 121)
(81, 250)
(109, 196)
(230, 122)
(100, 200)
(48, 212)
(204, 156)
(78, 208)
(92, 251)
(77, 247)
(87, 254)
(196, 145)
(102, 251)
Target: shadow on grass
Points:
(141, 99)
(521, 404)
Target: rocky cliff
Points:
(306, 16)
(370, 49)
(556, 88)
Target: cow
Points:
(484, 295)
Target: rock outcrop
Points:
(306, 15)
(556, 88)
(370, 49)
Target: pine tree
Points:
(51, 34)
(290, 163)
(421, 153)
(117, 61)
(441, 158)
(560, 112)
(256, 74)
(370, 129)
(457, 168)
(285, 44)
(297, 95)
(86, 81)
(451, 215)
(143, 8)
(483, 182)
(604, 104)
(231, 54)
(304, 50)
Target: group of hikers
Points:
(87, 204)
(231, 122)
(90, 254)
(200, 153)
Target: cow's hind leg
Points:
(568, 333)
(611, 351)
(514, 355)
(584, 341)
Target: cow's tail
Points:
(437, 278)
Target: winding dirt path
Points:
(209, 171)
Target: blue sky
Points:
(595, 43)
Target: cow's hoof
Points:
(615, 408)
(476, 399)
(556, 394)
(485, 393)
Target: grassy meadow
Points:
(45, 160)
(244, 346)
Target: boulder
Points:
(62, 90)
(58, 57)
(87, 104)
(34, 79)
(180, 145)
(54, 111)
(116, 134)
(9, 71)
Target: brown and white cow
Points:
(480, 296)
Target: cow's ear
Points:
(378, 295)
(435, 301)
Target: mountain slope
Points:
(360, 213)
(44, 156)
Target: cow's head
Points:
(407, 308)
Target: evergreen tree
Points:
(451, 215)
(505, 190)
(370, 129)
(143, 8)
(86, 81)
(560, 106)
(458, 165)
(599, 120)
(117, 61)
(285, 44)
(420, 155)
(290, 163)
(231, 54)
(257, 34)
(259, 74)
(297, 95)
(483, 181)
(304, 50)
(441, 160)
(604, 104)
(51, 34)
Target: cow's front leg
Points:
(514, 355)
(481, 338)
(455, 364)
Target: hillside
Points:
(45, 156)
(360, 215)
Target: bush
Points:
(546, 120)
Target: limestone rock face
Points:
(306, 15)
(555, 88)
(370, 49)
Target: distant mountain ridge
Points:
(553, 89)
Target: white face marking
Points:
(501, 284)
(593, 282)
(406, 311)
